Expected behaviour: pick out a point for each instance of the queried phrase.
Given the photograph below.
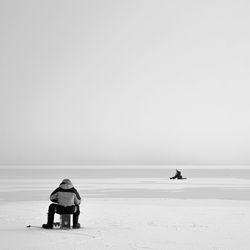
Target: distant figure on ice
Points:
(177, 175)
(66, 200)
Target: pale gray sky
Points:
(125, 82)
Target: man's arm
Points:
(77, 198)
(53, 196)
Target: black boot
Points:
(76, 225)
(50, 222)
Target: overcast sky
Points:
(125, 82)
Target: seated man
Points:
(177, 175)
(66, 201)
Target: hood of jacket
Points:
(66, 184)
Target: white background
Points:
(124, 82)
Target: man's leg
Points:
(51, 214)
(76, 217)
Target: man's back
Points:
(66, 194)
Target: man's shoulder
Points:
(68, 190)
(72, 189)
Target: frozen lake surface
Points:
(36, 184)
(129, 209)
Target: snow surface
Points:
(122, 212)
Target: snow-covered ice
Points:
(133, 209)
